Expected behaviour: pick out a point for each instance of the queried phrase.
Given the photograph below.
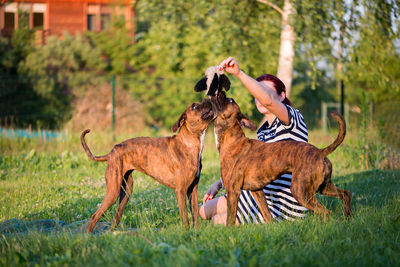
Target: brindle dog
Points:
(250, 164)
(173, 161)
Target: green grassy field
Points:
(55, 180)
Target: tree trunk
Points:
(288, 37)
(286, 52)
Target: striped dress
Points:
(281, 203)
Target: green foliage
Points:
(308, 99)
(115, 45)
(21, 41)
(325, 33)
(6, 57)
(378, 60)
(62, 66)
(177, 40)
(172, 54)
(15, 50)
(313, 28)
(20, 106)
(60, 70)
(364, 30)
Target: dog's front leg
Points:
(194, 204)
(181, 199)
(232, 206)
(259, 196)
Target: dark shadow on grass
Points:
(148, 210)
(372, 188)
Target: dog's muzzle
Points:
(218, 102)
(208, 115)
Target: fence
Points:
(28, 133)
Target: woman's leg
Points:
(220, 218)
(213, 207)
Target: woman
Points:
(283, 122)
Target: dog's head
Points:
(228, 114)
(196, 117)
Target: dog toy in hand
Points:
(214, 82)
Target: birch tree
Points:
(287, 40)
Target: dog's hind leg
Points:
(113, 187)
(125, 193)
(259, 196)
(330, 190)
(304, 192)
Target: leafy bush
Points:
(61, 70)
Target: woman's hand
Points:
(230, 65)
(212, 191)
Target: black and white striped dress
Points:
(281, 203)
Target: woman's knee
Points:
(202, 213)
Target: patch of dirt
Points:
(94, 111)
(391, 160)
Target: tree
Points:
(134, 4)
(287, 40)
(115, 46)
(60, 70)
(19, 104)
(173, 52)
(374, 64)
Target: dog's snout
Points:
(208, 113)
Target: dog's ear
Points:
(224, 82)
(201, 85)
(213, 86)
(179, 122)
(247, 122)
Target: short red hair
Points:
(279, 86)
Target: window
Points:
(105, 21)
(38, 12)
(9, 20)
(91, 22)
(38, 20)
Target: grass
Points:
(56, 180)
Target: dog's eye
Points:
(195, 106)
(230, 100)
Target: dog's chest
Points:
(202, 137)
(216, 139)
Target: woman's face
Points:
(261, 108)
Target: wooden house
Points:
(53, 17)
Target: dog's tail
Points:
(339, 139)
(87, 150)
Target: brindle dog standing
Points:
(173, 161)
(250, 164)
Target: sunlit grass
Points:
(56, 180)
